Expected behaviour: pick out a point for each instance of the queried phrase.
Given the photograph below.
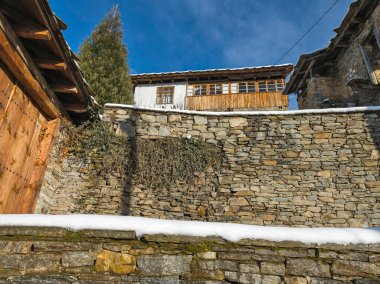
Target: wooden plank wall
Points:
(22, 132)
(237, 101)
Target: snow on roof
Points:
(213, 70)
(227, 231)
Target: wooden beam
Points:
(368, 65)
(25, 27)
(15, 57)
(50, 64)
(29, 32)
(307, 72)
(66, 89)
(62, 25)
(79, 108)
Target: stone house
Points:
(252, 88)
(40, 85)
(347, 72)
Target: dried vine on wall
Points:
(152, 163)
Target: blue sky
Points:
(175, 35)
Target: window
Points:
(165, 95)
(215, 89)
(200, 90)
(243, 87)
(280, 85)
(234, 88)
(262, 87)
(271, 86)
(226, 88)
(197, 91)
(203, 90)
(251, 87)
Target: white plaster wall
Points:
(145, 96)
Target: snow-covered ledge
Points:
(116, 249)
(249, 113)
(227, 231)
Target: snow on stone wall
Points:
(304, 168)
(55, 254)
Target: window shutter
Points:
(226, 88)
(234, 88)
(190, 90)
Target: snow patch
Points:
(251, 113)
(227, 231)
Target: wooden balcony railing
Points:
(237, 101)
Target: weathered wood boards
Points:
(22, 130)
(237, 101)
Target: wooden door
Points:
(23, 137)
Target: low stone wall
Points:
(55, 255)
(296, 169)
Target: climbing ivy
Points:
(152, 163)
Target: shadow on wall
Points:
(373, 165)
(130, 128)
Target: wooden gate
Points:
(25, 138)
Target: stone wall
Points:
(296, 169)
(55, 255)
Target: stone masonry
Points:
(301, 169)
(55, 255)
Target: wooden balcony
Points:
(250, 101)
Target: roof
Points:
(359, 12)
(245, 72)
(37, 33)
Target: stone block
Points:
(162, 119)
(125, 235)
(126, 129)
(225, 180)
(270, 163)
(216, 274)
(44, 246)
(290, 154)
(307, 267)
(226, 265)
(355, 268)
(272, 268)
(207, 255)
(249, 278)
(325, 174)
(148, 118)
(240, 201)
(152, 131)
(160, 280)
(78, 258)
(322, 135)
(164, 265)
(200, 120)
(295, 280)
(174, 118)
(10, 247)
(238, 122)
(164, 131)
(249, 268)
(40, 263)
(119, 263)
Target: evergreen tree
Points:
(103, 59)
